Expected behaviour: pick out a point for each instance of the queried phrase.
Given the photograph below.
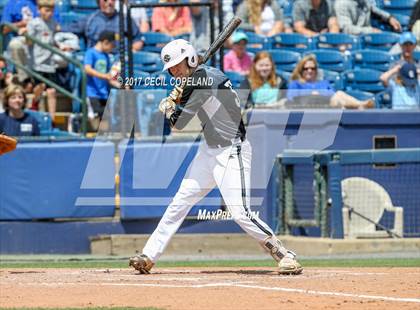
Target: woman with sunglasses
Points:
(306, 86)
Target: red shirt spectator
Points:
(172, 20)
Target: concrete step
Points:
(216, 245)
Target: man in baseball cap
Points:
(408, 75)
(406, 47)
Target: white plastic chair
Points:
(371, 200)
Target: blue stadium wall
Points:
(43, 180)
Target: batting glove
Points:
(167, 107)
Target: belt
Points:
(226, 143)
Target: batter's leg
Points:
(197, 183)
(233, 180)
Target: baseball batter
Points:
(222, 160)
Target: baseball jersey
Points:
(209, 94)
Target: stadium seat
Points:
(291, 41)
(384, 100)
(334, 78)
(361, 195)
(139, 79)
(360, 95)
(146, 61)
(380, 41)
(285, 60)
(337, 41)
(363, 79)
(235, 78)
(45, 124)
(284, 74)
(332, 60)
(154, 41)
(147, 104)
(256, 43)
(84, 5)
(68, 18)
(185, 36)
(402, 7)
(416, 56)
(163, 79)
(372, 59)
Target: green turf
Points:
(382, 262)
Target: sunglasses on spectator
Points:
(309, 68)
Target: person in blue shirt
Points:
(305, 86)
(19, 13)
(405, 87)
(97, 66)
(15, 121)
(106, 18)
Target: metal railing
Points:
(81, 99)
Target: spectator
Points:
(312, 17)
(237, 59)
(405, 87)
(306, 87)
(43, 29)
(354, 16)
(264, 84)
(19, 13)
(138, 15)
(172, 20)
(15, 121)
(3, 78)
(406, 47)
(106, 18)
(97, 66)
(200, 16)
(414, 24)
(264, 17)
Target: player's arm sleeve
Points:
(191, 101)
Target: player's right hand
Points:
(167, 107)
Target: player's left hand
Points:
(167, 107)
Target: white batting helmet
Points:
(176, 51)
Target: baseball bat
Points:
(221, 38)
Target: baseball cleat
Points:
(289, 266)
(141, 263)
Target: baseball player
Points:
(222, 160)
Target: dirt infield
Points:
(213, 288)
